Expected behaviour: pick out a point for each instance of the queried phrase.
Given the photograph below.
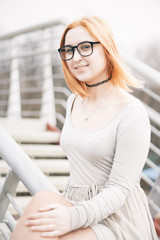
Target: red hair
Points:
(99, 29)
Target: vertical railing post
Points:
(14, 101)
(48, 100)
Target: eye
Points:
(85, 46)
(62, 50)
(68, 50)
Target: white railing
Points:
(38, 63)
(22, 169)
(148, 72)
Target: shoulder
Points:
(130, 103)
(129, 106)
(70, 99)
(134, 113)
(136, 108)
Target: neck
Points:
(95, 94)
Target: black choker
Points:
(99, 83)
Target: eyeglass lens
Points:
(84, 49)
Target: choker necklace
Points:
(99, 83)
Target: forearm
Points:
(100, 207)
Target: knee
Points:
(48, 197)
(45, 196)
(45, 193)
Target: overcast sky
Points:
(134, 22)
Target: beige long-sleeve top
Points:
(109, 159)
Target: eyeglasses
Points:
(85, 49)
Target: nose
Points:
(77, 56)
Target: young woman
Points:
(106, 138)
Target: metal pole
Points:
(22, 165)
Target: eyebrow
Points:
(79, 42)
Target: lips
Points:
(81, 67)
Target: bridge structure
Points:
(33, 97)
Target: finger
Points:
(44, 214)
(52, 234)
(38, 222)
(44, 228)
(36, 216)
(48, 207)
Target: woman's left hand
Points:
(52, 220)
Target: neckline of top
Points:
(103, 126)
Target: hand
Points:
(52, 220)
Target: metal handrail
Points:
(32, 29)
(151, 93)
(29, 54)
(150, 73)
(154, 115)
(155, 131)
(147, 180)
(152, 165)
(16, 158)
(30, 175)
(155, 149)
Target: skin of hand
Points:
(51, 222)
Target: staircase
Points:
(33, 98)
(42, 146)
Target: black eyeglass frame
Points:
(73, 49)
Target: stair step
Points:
(36, 137)
(38, 150)
(58, 181)
(59, 166)
(13, 125)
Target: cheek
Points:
(102, 62)
(69, 65)
(100, 65)
(100, 59)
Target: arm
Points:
(132, 147)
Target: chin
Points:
(80, 79)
